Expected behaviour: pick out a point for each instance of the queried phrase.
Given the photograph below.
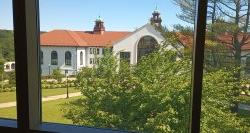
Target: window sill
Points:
(58, 128)
(63, 128)
(8, 123)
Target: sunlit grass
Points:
(11, 96)
(51, 111)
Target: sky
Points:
(79, 15)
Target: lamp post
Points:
(66, 74)
(49, 69)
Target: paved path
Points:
(48, 98)
(244, 107)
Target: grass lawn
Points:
(51, 111)
(11, 96)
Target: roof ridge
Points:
(76, 38)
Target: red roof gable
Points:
(81, 38)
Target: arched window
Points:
(68, 58)
(7, 67)
(13, 66)
(41, 57)
(146, 45)
(81, 58)
(54, 58)
(248, 65)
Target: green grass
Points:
(11, 96)
(51, 111)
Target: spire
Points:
(156, 19)
(99, 26)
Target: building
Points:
(72, 50)
(9, 66)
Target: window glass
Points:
(81, 58)
(91, 50)
(125, 56)
(149, 93)
(41, 57)
(7, 62)
(68, 58)
(54, 58)
(225, 95)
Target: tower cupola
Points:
(156, 18)
(99, 26)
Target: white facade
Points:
(9, 66)
(129, 44)
(47, 67)
(86, 56)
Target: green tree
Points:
(7, 45)
(12, 77)
(153, 96)
(228, 16)
(57, 74)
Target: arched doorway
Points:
(146, 45)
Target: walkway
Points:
(48, 98)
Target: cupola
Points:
(99, 26)
(156, 18)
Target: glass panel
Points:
(151, 93)
(125, 56)
(226, 97)
(7, 62)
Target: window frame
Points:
(54, 61)
(81, 58)
(124, 54)
(68, 58)
(41, 57)
(28, 82)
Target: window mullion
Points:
(26, 34)
(197, 72)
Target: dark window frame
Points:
(26, 38)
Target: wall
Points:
(79, 50)
(46, 69)
(130, 43)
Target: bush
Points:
(57, 74)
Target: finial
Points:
(156, 7)
(99, 18)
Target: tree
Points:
(153, 96)
(188, 10)
(57, 75)
(228, 26)
(6, 45)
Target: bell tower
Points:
(156, 18)
(99, 26)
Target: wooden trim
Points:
(197, 72)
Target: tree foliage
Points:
(6, 45)
(57, 75)
(152, 96)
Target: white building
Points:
(9, 66)
(72, 50)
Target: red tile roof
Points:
(225, 39)
(81, 38)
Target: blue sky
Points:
(118, 15)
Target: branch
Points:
(225, 12)
(226, 5)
